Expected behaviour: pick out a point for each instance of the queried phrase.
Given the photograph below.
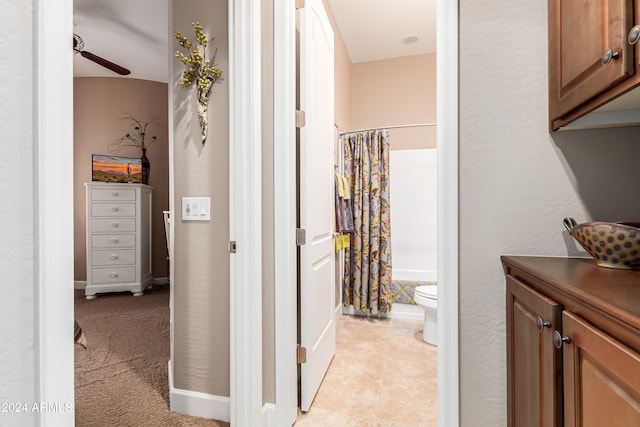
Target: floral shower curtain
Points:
(367, 268)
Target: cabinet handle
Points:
(541, 324)
(114, 257)
(608, 55)
(558, 339)
(634, 35)
(114, 224)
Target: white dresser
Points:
(118, 238)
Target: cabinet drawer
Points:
(113, 240)
(113, 257)
(113, 209)
(113, 274)
(111, 225)
(113, 194)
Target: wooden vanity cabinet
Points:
(590, 59)
(573, 343)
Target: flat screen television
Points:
(105, 168)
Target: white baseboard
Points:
(79, 284)
(198, 404)
(269, 415)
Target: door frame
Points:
(447, 223)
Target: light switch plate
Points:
(196, 208)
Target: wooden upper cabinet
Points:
(534, 365)
(601, 377)
(582, 35)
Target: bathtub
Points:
(403, 310)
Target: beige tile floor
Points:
(382, 375)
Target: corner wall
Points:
(200, 360)
(99, 103)
(518, 181)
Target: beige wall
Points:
(268, 254)
(517, 182)
(201, 257)
(98, 103)
(397, 91)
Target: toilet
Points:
(426, 297)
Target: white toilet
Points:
(426, 297)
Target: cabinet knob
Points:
(558, 339)
(114, 224)
(114, 209)
(114, 194)
(608, 55)
(541, 324)
(114, 256)
(114, 275)
(114, 240)
(634, 35)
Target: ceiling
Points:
(374, 29)
(135, 34)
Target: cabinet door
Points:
(580, 32)
(534, 365)
(601, 378)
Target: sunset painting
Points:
(116, 169)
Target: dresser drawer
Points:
(113, 194)
(113, 209)
(113, 257)
(113, 224)
(113, 241)
(113, 274)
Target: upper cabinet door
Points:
(588, 51)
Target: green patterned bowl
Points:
(611, 244)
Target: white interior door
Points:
(317, 279)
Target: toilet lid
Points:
(427, 291)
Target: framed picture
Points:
(106, 168)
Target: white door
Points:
(317, 291)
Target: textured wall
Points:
(98, 103)
(201, 264)
(17, 251)
(517, 182)
(397, 91)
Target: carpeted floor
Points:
(121, 379)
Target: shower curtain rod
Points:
(391, 127)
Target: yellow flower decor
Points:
(200, 71)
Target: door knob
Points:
(558, 339)
(541, 324)
(608, 55)
(634, 35)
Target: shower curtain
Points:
(367, 268)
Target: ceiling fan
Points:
(78, 46)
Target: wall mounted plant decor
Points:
(199, 71)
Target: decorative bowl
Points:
(611, 244)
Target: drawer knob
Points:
(634, 35)
(114, 194)
(541, 324)
(114, 275)
(114, 240)
(558, 339)
(113, 256)
(609, 55)
(114, 209)
(114, 224)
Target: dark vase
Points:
(146, 166)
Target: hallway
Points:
(373, 380)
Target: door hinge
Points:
(301, 236)
(299, 4)
(301, 355)
(232, 247)
(300, 119)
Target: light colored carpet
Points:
(121, 379)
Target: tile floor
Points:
(382, 375)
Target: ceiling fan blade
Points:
(105, 63)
